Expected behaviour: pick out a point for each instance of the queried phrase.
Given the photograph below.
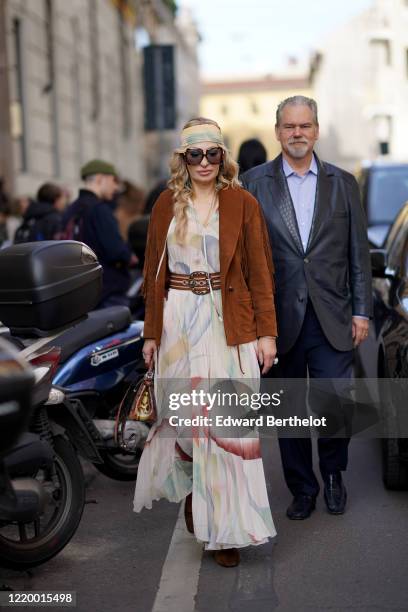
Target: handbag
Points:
(138, 404)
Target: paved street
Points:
(120, 561)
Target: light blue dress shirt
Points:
(303, 192)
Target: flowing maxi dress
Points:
(225, 475)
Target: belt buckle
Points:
(198, 285)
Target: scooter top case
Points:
(44, 286)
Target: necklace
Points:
(210, 210)
(201, 226)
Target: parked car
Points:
(384, 190)
(385, 354)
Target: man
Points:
(90, 219)
(323, 284)
(42, 219)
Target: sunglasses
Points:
(194, 157)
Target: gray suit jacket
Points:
(334, 271)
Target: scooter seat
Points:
(98, 324)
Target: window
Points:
(254, 108)
(381, 51)
(94, 57)
(383, 133)
(406, 62)
(125, 77)
(50, 86)
(19, 106)
(49, 40)
(76, 85)
(388, 191)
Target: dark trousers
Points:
(312, 354)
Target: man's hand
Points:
(266, 352)
(359, 330)
(148, 351)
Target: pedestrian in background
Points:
(90, 218)
(206, 227)
(130, 204)
(154, 193)
(138, 228)
(318, 228)
(251, 153)
(43, 217)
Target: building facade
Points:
(74, 74)
(75, 82)
(246, 109)
(360, 80)
(180, 33)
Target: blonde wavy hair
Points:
(180, 183)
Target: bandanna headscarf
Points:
(204, 132)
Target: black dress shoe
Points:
(335, 494)
(301, 507)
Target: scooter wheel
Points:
(58, 523)
(119, 466)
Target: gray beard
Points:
(297, 152)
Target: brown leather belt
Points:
(197, 282)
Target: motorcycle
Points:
(42, 493)
(98, 355)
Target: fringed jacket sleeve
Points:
(260, 270)
(149, 278)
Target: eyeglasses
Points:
(194, 157)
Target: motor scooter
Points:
(94, 358)
(42, 489)
(100, 357)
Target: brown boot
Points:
(188, 513)
(227, 557)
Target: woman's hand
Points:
(149, 348)
(266, 352)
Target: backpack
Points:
(74, 229)
(29, 231)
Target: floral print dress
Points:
(225, 475)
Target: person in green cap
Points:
(90, 219)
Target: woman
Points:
(251, 153)
(208, 281)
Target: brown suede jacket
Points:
(246, 268)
